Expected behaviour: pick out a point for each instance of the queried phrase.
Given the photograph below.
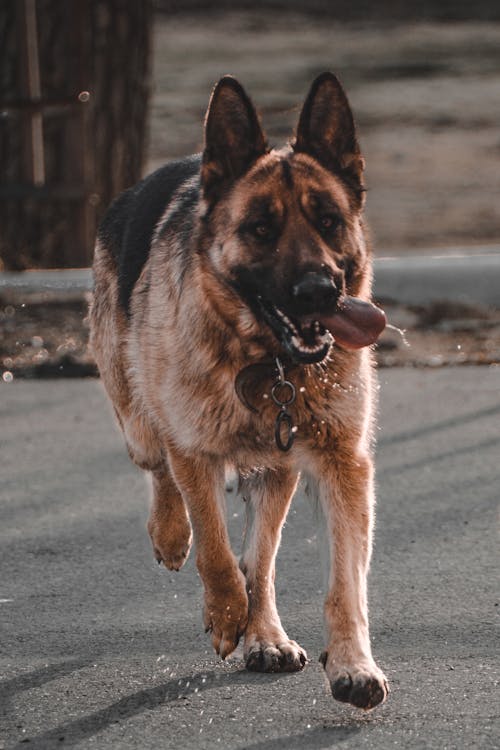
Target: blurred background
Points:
(96, 93)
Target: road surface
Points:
(101, 648)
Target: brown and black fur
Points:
(181, 263)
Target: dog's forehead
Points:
(275, 178)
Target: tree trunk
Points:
(81, 140)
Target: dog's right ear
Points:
(327, 132)
(234, 139)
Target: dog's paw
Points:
(364, 687)
(225, 615)
(171, 541)
(277, 655)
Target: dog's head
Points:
(284, 227)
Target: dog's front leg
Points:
(267, 646)
(347, 498)
(168, 524)
(201, 482)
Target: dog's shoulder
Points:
(129, 224)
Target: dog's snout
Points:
(315, 292)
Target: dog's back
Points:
(129, 224)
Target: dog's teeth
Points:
(321, 339)
(286, 320)
(301, 346)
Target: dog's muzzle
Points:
(314, 292)
(296, 323)
(314, 315)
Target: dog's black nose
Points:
(315, 292)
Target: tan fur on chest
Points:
(190, 388)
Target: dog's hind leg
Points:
(346, 496)
(267, 646)
(201, 480)
(168, 524)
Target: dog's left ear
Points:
(326, 131)
(234, 139)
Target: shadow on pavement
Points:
(316, 739)
(73, 732)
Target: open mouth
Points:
(352, 323)
(307, 338)
(306, 343)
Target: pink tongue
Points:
(355, 323)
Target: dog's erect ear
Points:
(233, 137)
(326, 130)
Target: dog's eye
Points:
(329, 222)
(262, 230)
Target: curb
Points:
(421, 280)
(408, 279)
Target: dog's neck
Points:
(282, 392)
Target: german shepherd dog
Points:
(232, 324)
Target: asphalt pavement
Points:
(101, 648)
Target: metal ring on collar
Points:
(275, 393)
(285, 419)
